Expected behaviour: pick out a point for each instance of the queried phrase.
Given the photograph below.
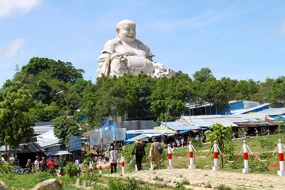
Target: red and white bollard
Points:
(246, 169)
(123, 164)
(100, 167)
(150, 159)
(192, 163)
(281, 158)
(135, 161)
(169, 152)
(59, 174)
(216, 156)
(90, 166)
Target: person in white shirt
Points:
(76, 162)
(37, 164)
(113, 160)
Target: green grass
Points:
(179, 160)
(254, 144)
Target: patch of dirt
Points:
(199, 179)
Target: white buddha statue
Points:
(127, 54)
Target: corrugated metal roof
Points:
(208, 120)
(29, 148)
(42, 129)
(164, 130)
(274, 111)
(57, 153)
(258, 116)
(177, 126)
(235, 118)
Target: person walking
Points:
(50, 165)
(155, 154)
(139, 153)
(43, 164)
(29, 166)
(37, 164)
(113, 160)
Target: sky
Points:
(237, 39)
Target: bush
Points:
(5, 168)
(72, 169)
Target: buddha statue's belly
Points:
(138, 64)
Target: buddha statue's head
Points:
(126, 31)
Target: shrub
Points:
(72, 169)
(5, 168)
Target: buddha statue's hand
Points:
(120, 61)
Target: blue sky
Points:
(236, 39)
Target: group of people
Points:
(45, 165)
(37, 165)
(155, 153)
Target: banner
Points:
(108, 137)
(120, 134)
(95, 139)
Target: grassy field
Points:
(262, 161)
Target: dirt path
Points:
(207, 179)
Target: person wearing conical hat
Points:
(139, 153)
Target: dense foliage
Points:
(45, 89)
(15, 123)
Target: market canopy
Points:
(142, 137)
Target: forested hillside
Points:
(45, 89)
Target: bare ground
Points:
(209, 179)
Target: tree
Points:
(15, 102)
(263, 94)
(42, 92)
(51, 69)
(64, 128)
(168, 98)
(247, 89)
(203, 75)
(276, 93)
(221, 134)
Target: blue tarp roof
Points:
(141, 136)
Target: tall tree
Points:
(263, 94)
(15, 101)
(277, 91)
(51, 69)
(64, 128)
(168, 98)
(203, 75)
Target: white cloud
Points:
(281, 30)
(9, 8)
(12, 49)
